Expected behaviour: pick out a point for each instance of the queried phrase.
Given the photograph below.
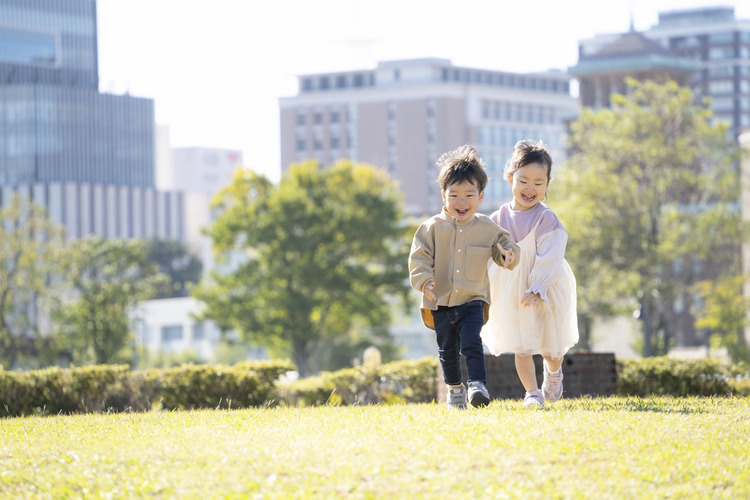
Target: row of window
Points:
(367, 79)
(333, 142)
(320, 117)
(727, 87)
(728, 71)
(719, 53)
(726, 37)
(512, 112)
(350, 80)
(506, 137)
(506, 80)
(174, 333)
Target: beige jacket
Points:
(454, 255)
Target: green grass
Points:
(579, 448)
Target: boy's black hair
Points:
(461, 165)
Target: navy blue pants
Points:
(457, 329)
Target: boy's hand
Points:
(427, 290)
(507, 255)
(530, 299)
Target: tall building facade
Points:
(55, 126)
(402, 115)
(712, 39)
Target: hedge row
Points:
(395, 382)
(116, 388)
(96, 389)
(665, 376)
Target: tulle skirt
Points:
(549, 328)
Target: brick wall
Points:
(586, 373)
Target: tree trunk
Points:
(584, 331)
(301, 356)
(648, 314)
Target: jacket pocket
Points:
(476, 262)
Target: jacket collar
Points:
(445, 215)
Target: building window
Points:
(721, 87)
(334, 117)
(301, 145)
(341, 81)
(171, 333)
(691, 41)
(27, 47)
(334, 142)
(720, 71)
(718, 53)
(722, 103)
(301, 119)
(358, 80)
(199, 331)
(716, 38)
(323, 83)
(396, 75)
(485, 110)
(307, 84)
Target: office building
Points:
(603, 68)
(402, 115)
(710, 39)
(55, 126)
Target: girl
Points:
(533, 308)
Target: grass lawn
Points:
(577, 448)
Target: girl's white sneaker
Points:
(552, 387)
(533, 398)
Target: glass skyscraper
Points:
(55, 126)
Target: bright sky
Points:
(216, 68)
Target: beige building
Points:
(402, 115)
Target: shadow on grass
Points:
(659, 404)
(656, 404)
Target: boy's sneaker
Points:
(457, 396)
(552, 387)
(478, 394)
(533, 398)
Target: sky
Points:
(216, 68)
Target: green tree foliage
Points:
(724, 313)
(107, 277)
(174, 260)
(309, 261)
(31, 245)
(650, 197)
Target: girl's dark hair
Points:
(460, 165)
(526, 152)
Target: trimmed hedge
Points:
(93, 389)
(396, 382)
(665, 376)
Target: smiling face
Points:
(529, 185)
(462, 200)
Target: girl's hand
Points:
(507, 255)
(530, 299)
(427, 290)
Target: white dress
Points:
(551, 327)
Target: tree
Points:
(30, 247)
(320, 254)
(174, 260)
(107, 277)
(724, 313)
(650, 197)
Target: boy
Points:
(448, 264)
